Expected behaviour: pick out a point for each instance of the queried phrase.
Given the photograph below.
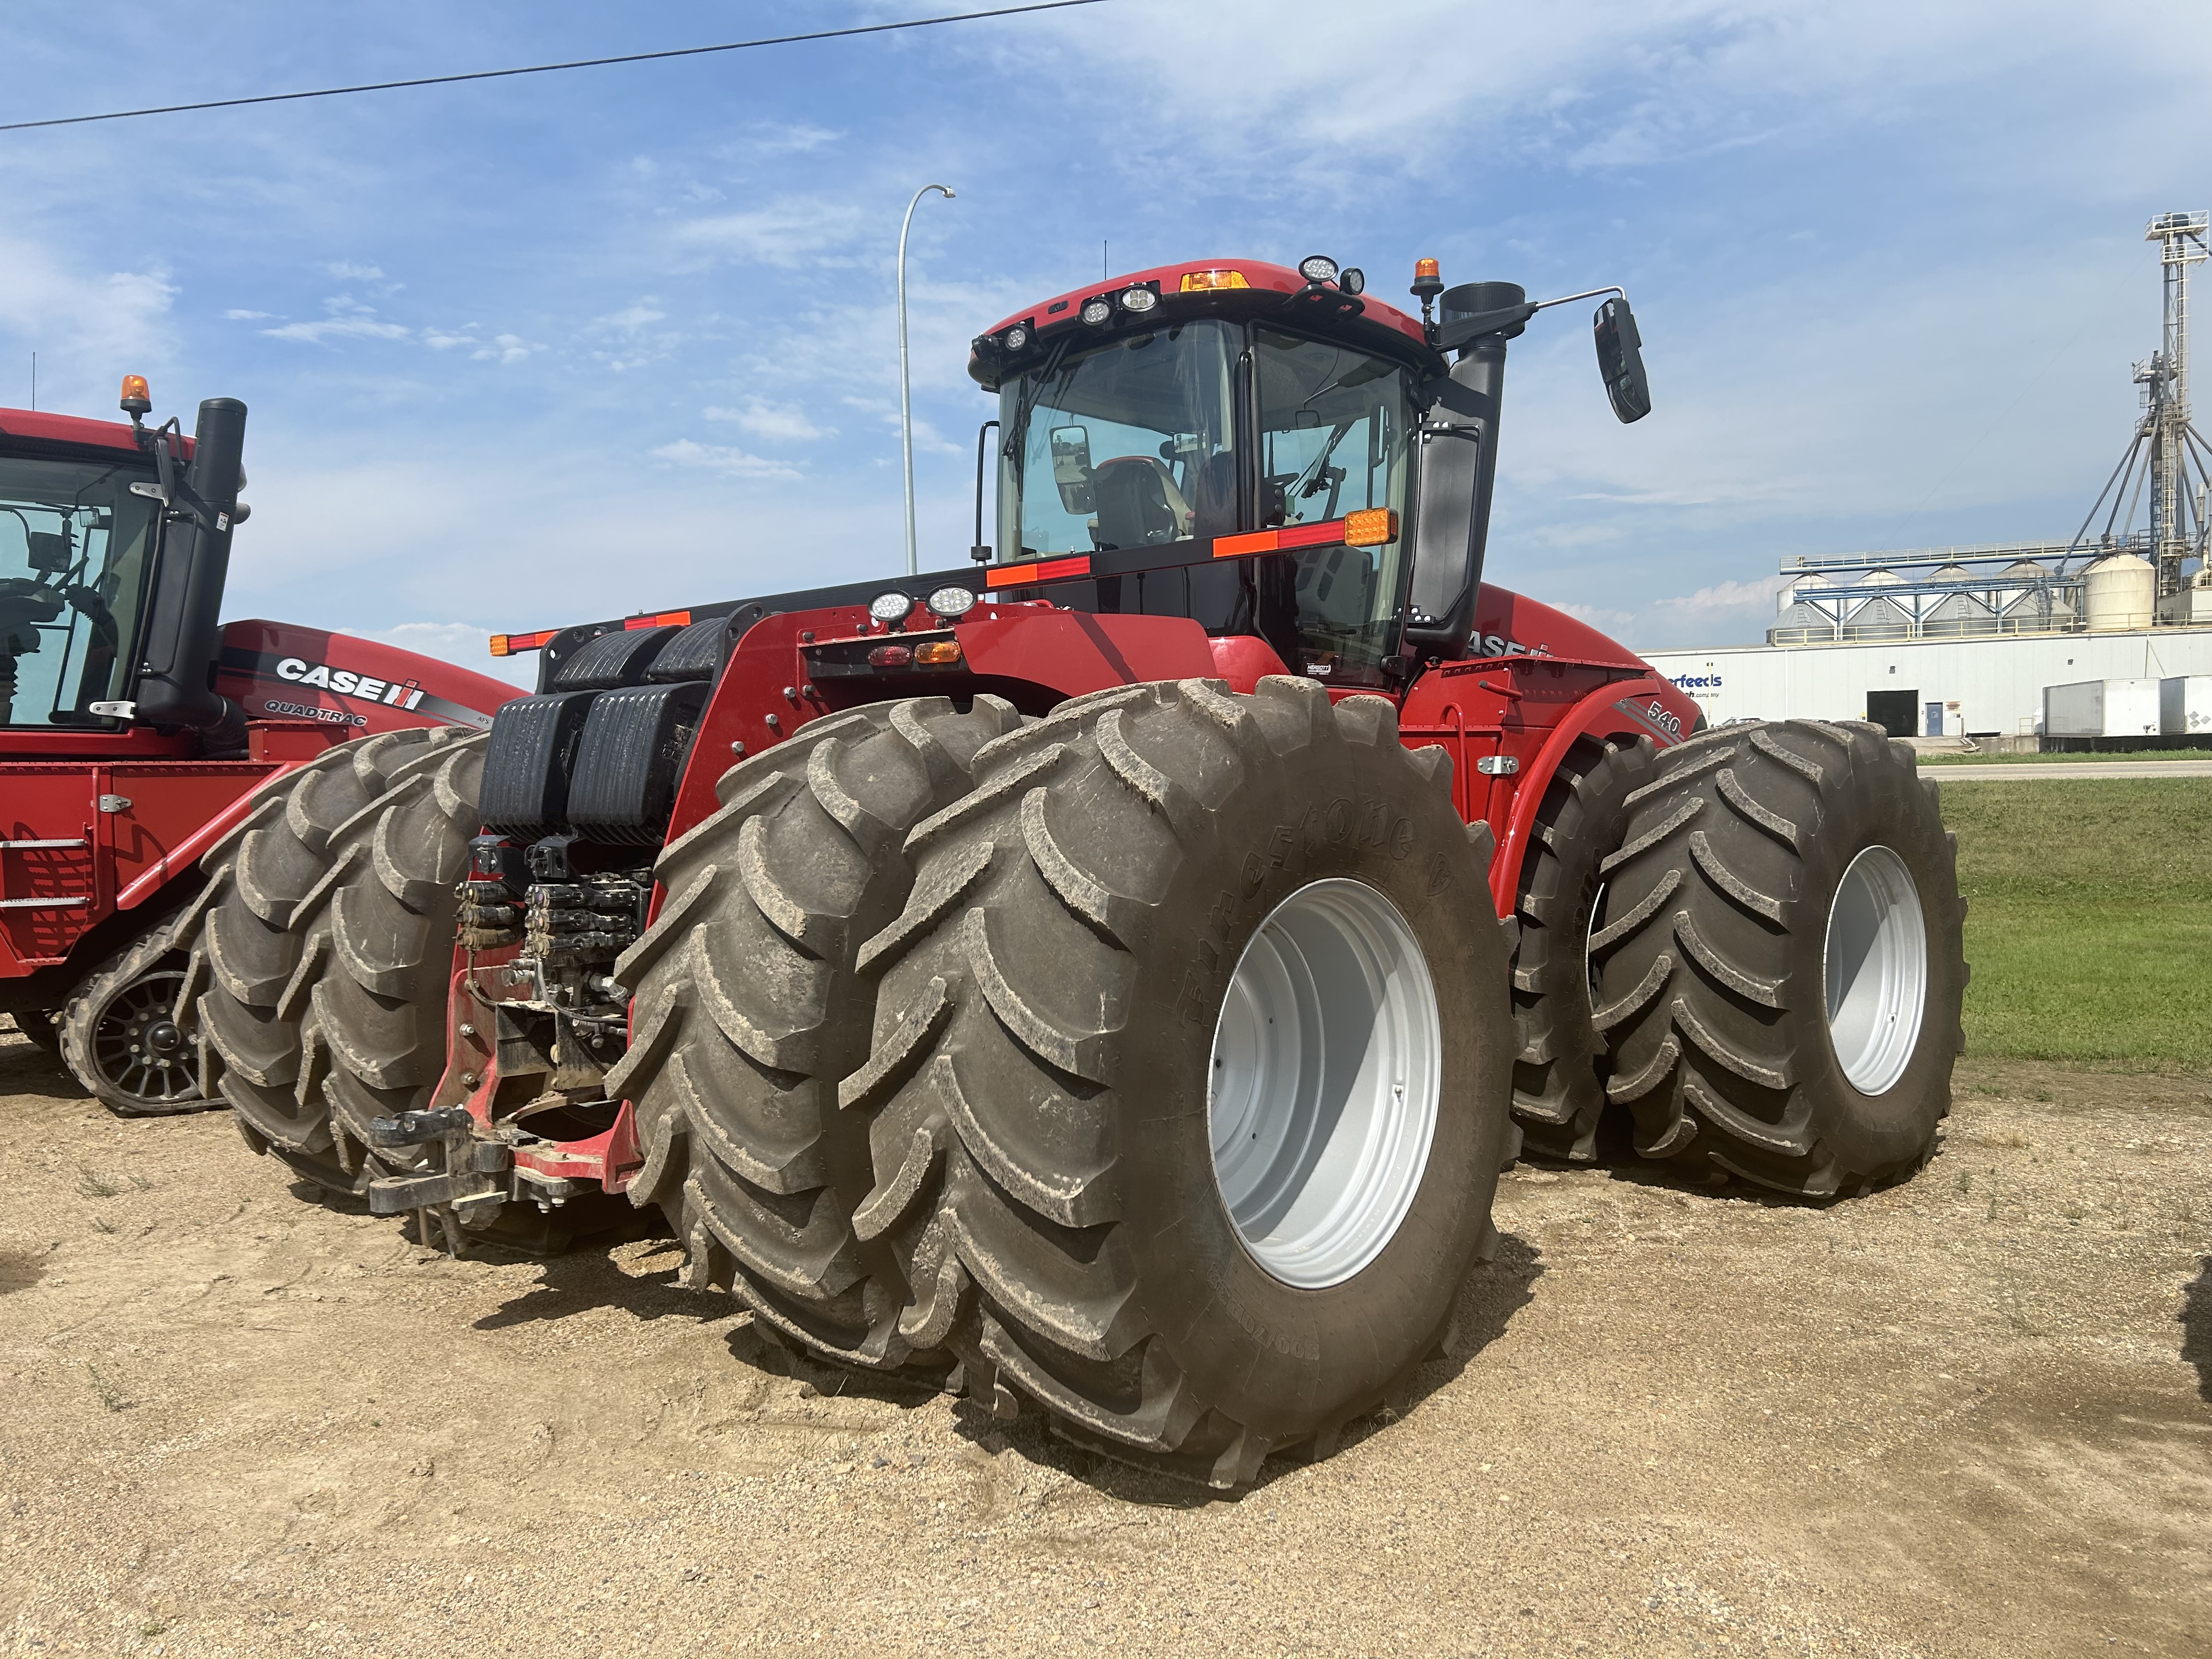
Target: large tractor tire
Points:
(121, 1038)
(1191, 1071)
(748, 1011)
(1558, 1076)
(319, 954)
(1781, 963)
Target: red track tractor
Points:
(133, 730)
(1109, 978)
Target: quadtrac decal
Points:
(350, 685)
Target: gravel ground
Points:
(1973, 1415)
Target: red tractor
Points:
(1110, 978)
(134, 730)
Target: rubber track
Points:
(77, 1021)
(319, 952)
(749, 1008)
(991, 1089)
(1560, 1069)
(1711, 993)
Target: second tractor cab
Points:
(1107, 978)
(135, 727)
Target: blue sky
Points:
(523, 352)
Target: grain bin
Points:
(2101, 708)
(2119, 593)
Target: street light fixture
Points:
(906, 396)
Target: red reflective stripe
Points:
(659, 619)
(530, 641)
(1311, 535)
(1044, 570)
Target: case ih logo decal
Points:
(347, 683)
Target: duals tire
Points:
(1559, 1075)
(1782, 968)
(319, 952)
(747, 1010)
(1052, 1006)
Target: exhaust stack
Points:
(179, 656)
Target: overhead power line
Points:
(547, 69)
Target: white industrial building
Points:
(1990, 685)
(1964, 641)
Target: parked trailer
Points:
(2101, 708)
(1107, 981)
(2185, 706)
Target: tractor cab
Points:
(1202, 410)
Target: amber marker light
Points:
(1371, 526)
(1198, 282)
(511, 645)
(938, 651)
(1424, 270)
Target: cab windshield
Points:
(75, 546)
(1165, 436)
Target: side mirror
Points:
(1071, 466)
(1620, 360)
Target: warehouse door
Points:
(1897, 712)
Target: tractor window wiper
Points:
(1017, 428)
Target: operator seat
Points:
(1136, 502)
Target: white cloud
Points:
(777, 423)
(795, 139)
(731, 463)
(788, 232)
(348, 320)
(1725, 599)
(247, 316)
(630, 319)
(346, 272)
(506, 349)
(86, 327)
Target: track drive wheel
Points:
(1190, 1072)
(1558, 1076)
(320, 953)
(747, 1011)
(1781, 963)
(120, 1037)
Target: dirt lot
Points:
(1969, 1416)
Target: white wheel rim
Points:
(1875, 968)
(1322, 1099)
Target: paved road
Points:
(1997, 772)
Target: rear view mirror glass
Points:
(1620, 360)
(1071, 466)
(50, 550)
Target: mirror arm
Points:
(981, 552)
(1456, 335)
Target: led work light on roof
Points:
(951, 602)
(1096, 311)
(1317, 268)
(1138, 299)
(890, 607)
(1016, 338)
(1354, 280)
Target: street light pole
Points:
(906, 396)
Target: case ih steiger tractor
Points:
(1113, 977)
(133, 729)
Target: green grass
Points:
(2062, 758)
(2089, 919)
